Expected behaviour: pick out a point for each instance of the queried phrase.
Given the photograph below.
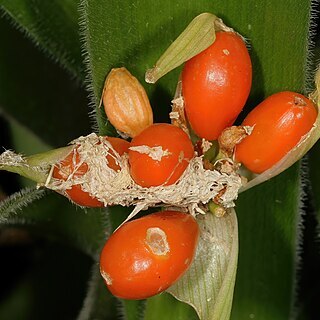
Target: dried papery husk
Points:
(198, 36)
(177, 114)
(196, 185)
(305, 144)
(230, 137)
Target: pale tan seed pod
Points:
(126, 103)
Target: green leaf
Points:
(98, 303)
(270, 229)
(12, 205)
(209, 283)
(315, 178)
(37, 94)
(269, 215)
(51, 25)
(25, 290)
(164, 306)
(132, 309)
(127, 34)
(55, 217)
(25, 141)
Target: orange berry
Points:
(170, 151)
(121, 146)
(279, 123)
(216, 84)
(146, 256)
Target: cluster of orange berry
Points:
(147, 255)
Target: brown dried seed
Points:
(231, 136)
(126, 103)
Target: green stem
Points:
(35, 167)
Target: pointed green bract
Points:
(198, 36)
(50, 157)
(209, 283)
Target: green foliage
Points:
(37, 93)
(208, 285)
(51, 25)
(166, 306)
(42, 102)
(12, 205)
(98, 303)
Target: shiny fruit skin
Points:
(66, 167)
(148, 172)
(216, 84)
(279, 123)
(131, 267)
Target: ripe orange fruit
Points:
(170, 151)
(216, 84)
(146, 256)
(279, 123)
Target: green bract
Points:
(198, 36)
